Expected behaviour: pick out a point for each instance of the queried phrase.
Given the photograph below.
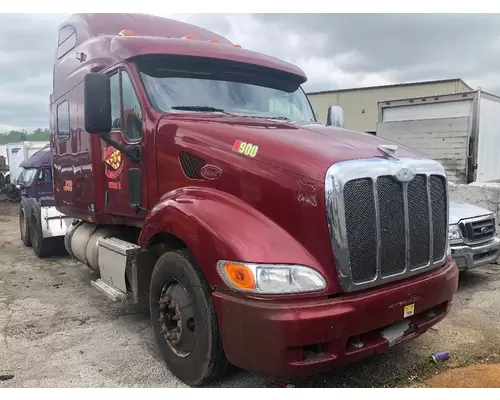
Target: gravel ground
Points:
(58, 331)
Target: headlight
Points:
(270, 278)
(454, 232)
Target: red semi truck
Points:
(202, 186)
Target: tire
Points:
(177, 276)
(24, 220)
(43, 247)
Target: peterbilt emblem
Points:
(405, 175)
(210, 172)
(388, 149)
(484, 229)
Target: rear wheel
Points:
(24, 220)
(43, 247)
(184, 320)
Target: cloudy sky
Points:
(335, 51)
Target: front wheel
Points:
(184, 320)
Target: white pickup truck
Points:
(472, 235)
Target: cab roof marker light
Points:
(237, 45)
(126, 32)
(190, 37)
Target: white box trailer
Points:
(462, 131)
(19, 152)
(3, 153)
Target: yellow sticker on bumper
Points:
(409, 310)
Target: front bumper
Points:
(472, 256)
(287, 339)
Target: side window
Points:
(66, 41)
(45, 175)
(115, 101)
(63, 120)
(132, 113)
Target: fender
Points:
(215, 225)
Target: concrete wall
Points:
(360, 105)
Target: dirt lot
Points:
(58, 331)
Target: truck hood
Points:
(460, 210)
(304, 149)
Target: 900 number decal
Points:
(245, 148)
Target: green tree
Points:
(38, 135)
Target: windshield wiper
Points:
(280, 118)
(199, 108)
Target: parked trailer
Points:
(226, 211)
(3, 153)
(19, 152)
(458, 130)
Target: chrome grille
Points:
(478, 229)
(384, 225)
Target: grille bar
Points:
(419, 221)
(363, 263)
(385, 225)
(392, 214)
(439, 217)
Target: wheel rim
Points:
(22, 223)
(176, 319)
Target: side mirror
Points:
(97, 102)
(335, 117)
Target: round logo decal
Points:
(113, 162)
(211, 172)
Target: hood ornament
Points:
(388, 149)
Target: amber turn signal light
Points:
(126, 32)
(240, 275)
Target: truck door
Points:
(127, 128)
(44, 183)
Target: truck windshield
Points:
(190, 94)
(28, 175)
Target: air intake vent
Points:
(191, 165)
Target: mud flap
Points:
(54, 223)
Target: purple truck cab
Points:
(36, 177)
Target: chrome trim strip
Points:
(406, 227)
(431, 228)
(377, 227)
(341, 173)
